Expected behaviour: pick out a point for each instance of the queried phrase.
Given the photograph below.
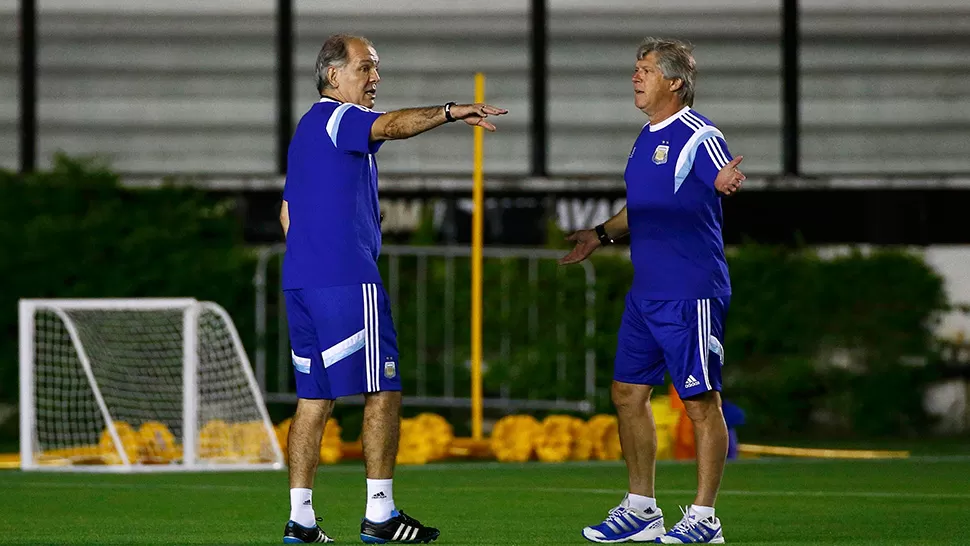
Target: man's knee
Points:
(313, 411)
(628, 395)
(704, 406)
(384, 403)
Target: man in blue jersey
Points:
(675, 310)
(341, 332)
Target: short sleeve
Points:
(349, 128)
(712, 156)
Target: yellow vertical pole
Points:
(478, 194)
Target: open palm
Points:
(586, 242)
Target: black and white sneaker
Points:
(400, 528)
(294, 533)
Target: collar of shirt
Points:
(668, 121)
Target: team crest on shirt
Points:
(660, 154)
(390, 369)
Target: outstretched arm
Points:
(715, 166)
(285, 217)
(588, 240)
(409, 122)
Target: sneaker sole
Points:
(294, 540)
(367, 539)
(718, 540)
(626, 539)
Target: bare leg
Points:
(638, 435)
(711, 439)
(303, 444)
(382, 428)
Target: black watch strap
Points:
(603, 237)
(448, 115)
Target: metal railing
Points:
(427, 300)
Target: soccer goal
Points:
(138, 385)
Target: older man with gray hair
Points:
(675, 311)
(341, 330)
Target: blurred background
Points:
(142, 148)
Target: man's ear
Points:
(332, 76)
(676, 84)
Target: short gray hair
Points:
(334, 53)
(675, 60)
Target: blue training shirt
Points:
(674, 212)
(334, 237)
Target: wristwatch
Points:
(602, 235)
(448, 115)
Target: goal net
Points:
(122, 385)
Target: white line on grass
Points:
(566, 490)
(742, 493)
(138, 486)
(534, 465)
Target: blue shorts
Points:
(684, 337)
(343, 341)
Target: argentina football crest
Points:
(660, 154)
(390, 369)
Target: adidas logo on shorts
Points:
(691, 382)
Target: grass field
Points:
(924, 500)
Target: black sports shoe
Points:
(401, 528)
(294, 533)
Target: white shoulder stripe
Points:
(686, 158)
(716, 147)
(694, 118)
(690, 122)
(715, 157)
(333, 124)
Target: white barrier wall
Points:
(466, 6)
(188, 86)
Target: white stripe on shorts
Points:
(704, 337)
(368, 328)
(376, 370)
(372, 335)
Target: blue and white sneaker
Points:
(627, 524)
(693, 530)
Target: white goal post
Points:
(138, 385)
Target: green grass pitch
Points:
(923, 500)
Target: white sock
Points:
(702, 512)
(641, 503)
(301, 507)
(380, 500)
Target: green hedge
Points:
(73, 233)
(842, 344)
